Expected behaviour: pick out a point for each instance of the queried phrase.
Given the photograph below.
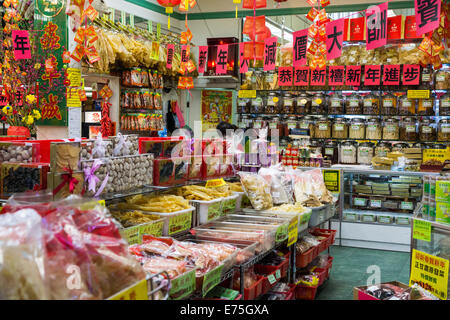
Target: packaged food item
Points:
(365, 153)
(257, 190)
(444, 104)
(427, 131)
(444, 130)
(21, 177)
(408, 130)
(307, 122)
(425, 107)
(347, 152)
(373, 129)
(336, 104)
(64, 155)
(371, 104)
(442, 79)
(322, 128)
(426, 79)
(357, 129)
(303, 104)
(281, 184)
(272, 104)
(288, 104)
(390, 129)
(382, 149)
(257, 105)
(389, 104)
(406, 106)
(340, 129)
(20, 152)
(353, 104)
(331, 152)
(318, 104)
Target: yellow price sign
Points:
(247, 94)
(138, 291)
(215, 183)
(430, 272)
(293, 231)
(436, 154)
(418, 94)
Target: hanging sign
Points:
(202, 58)
(21, 44)
(301, 76)
(410, 28)
(376, 26)
(318, 77)
(335, 38)
(394, 27)
(411, 74)
(300, 44)
(285, 76)
(243, 63)
(372, 75)
(270, 53)
(391, 75)
(429, 272)
(170, 53)
(222, 59)
(336, 75)
(332, 180)
(353, 76)
(427, 15)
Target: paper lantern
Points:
(261, 36)
(248, 4)
(169, 4)
(186, 4)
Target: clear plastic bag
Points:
(257, 190)
(281, 184)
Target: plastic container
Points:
(318, 215)
(229, 205)
(207, 210)
(303, 259)
(240, 196)
(254, 291)
(305, 292)
(175, 222)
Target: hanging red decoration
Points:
(257, 4)
(186, 4)
(260, 37)
(169, 4)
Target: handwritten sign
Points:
(300, 46)
(372, 75)
(376, 26)
(270, 53)
(243, 63)
(429, 272)
(292, 231)
(138, 291)
(202, 58)
(332, 180)
(336, 75)
(353, 76)
(428, 13)
(211, 279)
(180, 223)
(170, 54)
(318, 77)
(391, 76)
(215, 183)
(301, 76)
(335, 38)
(21, 44)
(418, 94)
(285, 76)
(247, 94)
(222, 59)
(74, 76)
(182, 285)
(411, 74)
(422, 230)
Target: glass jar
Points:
(308, 124)
(382, 149)
(442, 79)
(243, 106)
(340, 129)
(303, 105)
(444, 105)
(336, 104)
(399, 147)
(260, 80)
(427, 132)
(426, 79)
(288, 104)
(365, 153)
(389, 104)
(373, 129)
(371, 104)
(444, 130)
(318, 104)
(330, 152)
(390, 129)
(274, 123)
(353, 104)
(408, 130)
(291, 123)
(322, 128)
(257, 105)
(407, 107)
(347, 154)
(425, 107)
(272, 103)
(258, 123)
(246, 122)
(357, 129)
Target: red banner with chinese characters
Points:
(300, 43)
(391, 75)
(335, 38)
(376, 26)
(336, 75)
(222, 59)
(301, 76)
(411, 74)
(243, 63)
(270, 53)
(427, 15)
(21, 44)
(170, 54)
(202, 58)
(318, 77)
(372, 75)
(285, 76)
(353, 76)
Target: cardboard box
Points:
(360, 294)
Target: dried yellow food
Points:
(235, 186)
(288, 207)
(162, 203)
(132, 218)
(202, 193)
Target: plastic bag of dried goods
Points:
(257, 190)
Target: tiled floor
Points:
(350, 266)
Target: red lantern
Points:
(261, 36)
(169, 4)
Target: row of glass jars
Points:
(370, 104)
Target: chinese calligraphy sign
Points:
(301, 76)
(270, 53)
(376, 26)
(170, 53)
(353, 76)
(372, 75)
(318, 77)
(285, 76)
(427, 15)
(222, 59)
(335, 38)
(411, 74)
(336, 75)
(300, 44)
(242, 62)
(391, 75)
(21, 43)
(202, 58)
